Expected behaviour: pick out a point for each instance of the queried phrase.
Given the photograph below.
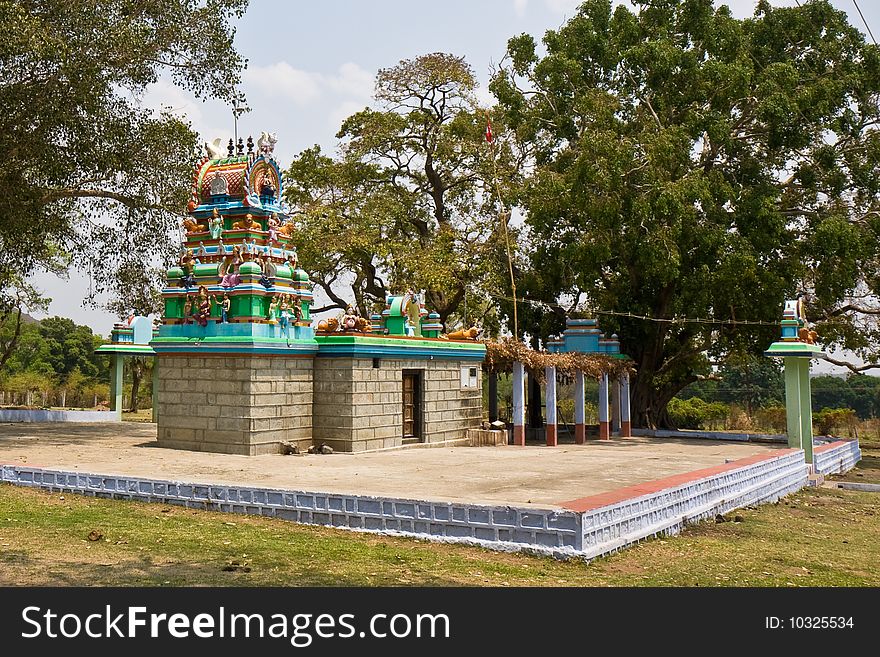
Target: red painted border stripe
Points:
(648, 487)
(830, 446)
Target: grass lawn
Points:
(143, 415)
(817, 537)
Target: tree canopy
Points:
(687, 164)
(409, 203)
(91, 179)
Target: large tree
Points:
(411, 202)
(690, 165)
(91, 179)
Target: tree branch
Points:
(852, 368)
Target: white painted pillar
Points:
(604, 424)
(550, 401)
(580, 431)
(519, 406)
(625, 421)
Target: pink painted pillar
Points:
(550, 400)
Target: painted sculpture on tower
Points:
(795, 323)
(238, 253)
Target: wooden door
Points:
(412, 385)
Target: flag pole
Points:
(503, 216)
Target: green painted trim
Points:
(125, 349)
(370, 341)
(232, 339)
(800, 349)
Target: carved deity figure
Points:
(350, 319)
(215, 225)
(188, 309)
(273, 310)
(267, 186)
(231, 276)
(284, 309)
(219, 186)
(292, 261)
(204, 309)
(225, 305)
(273, 228)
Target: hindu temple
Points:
(244, 369)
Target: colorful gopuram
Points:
(242, 369)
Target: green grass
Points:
(817, 537)
(143, 415)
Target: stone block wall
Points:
(359, 407)
(234, 404)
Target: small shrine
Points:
(582, 336)
(129, 338)
(797, 347)
(242, 367)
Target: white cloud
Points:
(165, 96)
(352, 80)
(282, 80)
(519, 7)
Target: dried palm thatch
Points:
(500, 357)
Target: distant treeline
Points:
(52, 362)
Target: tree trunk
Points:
(137, 373)
(64, 398)
(493, 396)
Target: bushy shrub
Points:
(694, 413)
(830, 420)
(773, 418)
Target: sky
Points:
(311, 64)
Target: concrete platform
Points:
(575, 501)
(545, 477)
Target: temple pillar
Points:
(625, 421)
(154, 375)
(550, 397)
(806, 409)
(117, 362)
(519, 409)
(580, 431)
(604, 424)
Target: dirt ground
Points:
(542, 476)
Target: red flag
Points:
(489, 136)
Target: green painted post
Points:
(806, 408)
(116, 364)
(793, 401)
(797, 350)
(155, 376)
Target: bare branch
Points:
(850, 366)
